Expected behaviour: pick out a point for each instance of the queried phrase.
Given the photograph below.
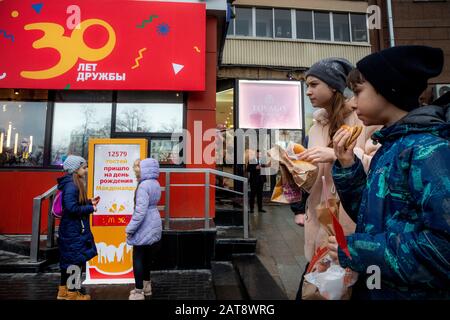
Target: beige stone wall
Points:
(256, 73)
(328, 5)
(278, 53)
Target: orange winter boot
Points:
(62, 293)
(77, 295)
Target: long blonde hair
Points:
(79, 183)
(337, 114)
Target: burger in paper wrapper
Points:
(303, 173)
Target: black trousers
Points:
(143, 258)
(256, 190)
(65, 276)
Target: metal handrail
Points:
(50, 194)
(36, 223)
(207, 172)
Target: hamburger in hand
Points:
(355, 131)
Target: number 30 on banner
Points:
(70, 48)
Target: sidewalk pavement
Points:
(166, 285)
(280, 245)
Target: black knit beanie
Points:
(332, 71)
(400, 74)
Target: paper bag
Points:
(303, 173)
(286, 190)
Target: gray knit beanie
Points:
(332, 71)
(73, 163)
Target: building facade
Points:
(279, 41)
(418, 22)
(42, 121)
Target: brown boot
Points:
(62, 293)
(77, 295)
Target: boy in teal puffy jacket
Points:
(402, 205)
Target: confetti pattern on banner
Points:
(139, 58)
(37, 7)
(163, 29)
(150, 19)
(105, 52)
(6, 35)
(177, 68)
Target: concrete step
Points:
(15, 263)
(229, 217)
(186, 249)
(226, 281)
(186, 245)
(256, 279)
(230, 241)
(20, 244)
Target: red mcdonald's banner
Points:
(102, 45)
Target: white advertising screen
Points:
(114, 178)
(270, 104)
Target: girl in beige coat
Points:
(326, 81)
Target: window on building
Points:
(359, 27)
(74, 124)
(244, 22)
(230, 31)
(304, 24)
(322, 26)
(284, 137)
(264, 22)
(149, 117)
(166, 151)
(283, 25)
(22, 133)
(149, 112)
(310, 25)
(341, 27)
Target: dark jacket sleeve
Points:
(420, 256)
(251, 168)
(71, 204)
(350, 184)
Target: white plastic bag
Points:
(332, 283)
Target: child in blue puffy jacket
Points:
(402, 205)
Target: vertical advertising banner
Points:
(111, 177)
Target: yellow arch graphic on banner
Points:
(70, 48)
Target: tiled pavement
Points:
(280, 245)
(167, 285)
